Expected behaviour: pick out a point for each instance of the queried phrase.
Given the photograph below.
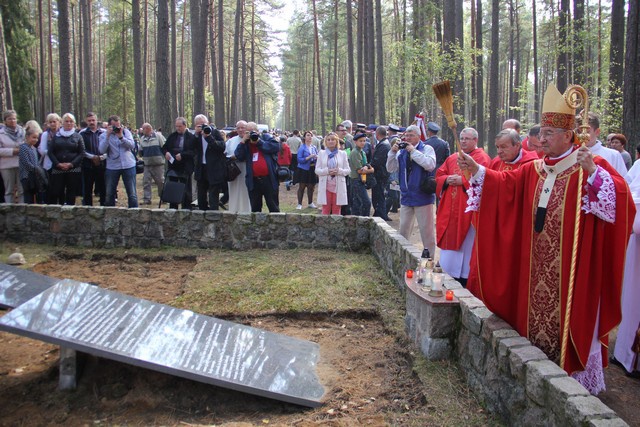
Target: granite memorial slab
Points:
(18, 286)
(180, 342)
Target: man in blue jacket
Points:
(260, 151)
(413, 160)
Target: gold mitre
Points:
(555, 110)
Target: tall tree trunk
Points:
(350, 53)
(480, 116)
(253, 61)
(579, 65)
(42, 101)
(6, 101)
(214, 70)
(494, 83)
(64, 57)
(74, 61)
(50, 54)
(235, 65)
(360, 107)
(145, 60)
(631, 89)
(125, 111)
(137, 63)
(199, 14)
(563, 45)
(317, 49)
(163, 86)
(181, 107)
(371, 61)
(536, 84)
(85, 9)
(173, 99)
(334, 92)
(220, 103)
(380, 64)
(616, 53)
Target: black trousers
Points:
(262, 188)
(93, 178)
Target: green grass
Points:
(259, 282)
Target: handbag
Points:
(139, 166)
(284, 173)
(428, 184)
(233, 171)
(370, 182)
(37, 180)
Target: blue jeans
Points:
(360, 201)
(111, 178)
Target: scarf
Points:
(332, 162)
(66, 133)
(16, 135)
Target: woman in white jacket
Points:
(332, 168)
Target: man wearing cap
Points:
(392, 132)
(413, 163)
(524, 275)
(511, 155)
(440, 146)
(453, 226)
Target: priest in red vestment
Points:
(511, 155)
(523, 275)
(453, 226)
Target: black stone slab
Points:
(167, 339)
(18, 286)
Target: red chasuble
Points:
(527, 156)
(523, 275)
(452, 224)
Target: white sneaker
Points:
(313, 206)
(299, 207)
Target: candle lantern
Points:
(437, 281)
(449, 295)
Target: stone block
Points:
(580, 409)
(478, 352)
(436, 348)
(492, 324)
(461, 292)
(68, 369)
(532, 415)
(519, 357)
(441, 321)
(472, 318)
(512, 396)
(410, 327)
(538, 374)
(562, 388)
(507, 344)
(611, 422)
(215, 216)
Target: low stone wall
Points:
(514, 378)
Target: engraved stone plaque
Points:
(18, 286)
(171, 340)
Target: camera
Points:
(402, 145)
(254, 136)
(206, 129)
(115, 129)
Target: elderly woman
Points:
(66, 153)
(11, 136)
(306, 176)
(332, 168)
(32, 176)
(53, 124)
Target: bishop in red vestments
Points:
(523, 275)
(453, 227)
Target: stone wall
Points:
(512, 377)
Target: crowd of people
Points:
(546, 221)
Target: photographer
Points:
(260, 153)
(118, 144)
(210, 167)
(413, 159)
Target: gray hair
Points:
(509, 133)
(472, 131)
(413, 128)
(8, 114)
(200, 117)
(347, 123)
(69, 116)
(535, 130)
(183, 120)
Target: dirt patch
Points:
(367, 372)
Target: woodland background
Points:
(369, 61)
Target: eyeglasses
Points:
(549, 133)
(466, 139)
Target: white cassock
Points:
(238, 192)
(630, 292)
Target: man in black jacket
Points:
(179, 152)
(93, 164)
(379, 163)
(211, 163)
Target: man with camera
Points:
(260, 153)
(211, 163)
(179, 152)
(118, 144)
(413, 159)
